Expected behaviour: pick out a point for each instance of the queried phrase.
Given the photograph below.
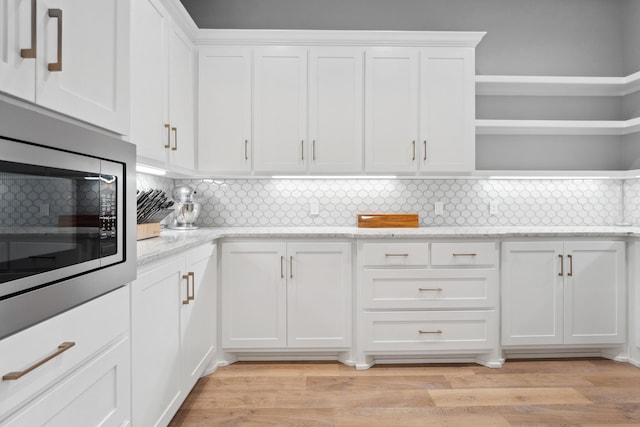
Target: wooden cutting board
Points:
(388, 221)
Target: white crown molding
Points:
(331, 37)
(180, 15)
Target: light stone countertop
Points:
(174, 241)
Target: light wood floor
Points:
(593, 392)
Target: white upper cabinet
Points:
(181, 99)
(69, 56)
(18, 74)
(420, 109)
(447, 109)
(391, 109)
(336, 109)
(224, 109)
(162, 89)
(307, 109)
(149, 52)
(280, 113)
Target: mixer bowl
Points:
(185, 215)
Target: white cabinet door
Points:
(181, 100)
(18, 74)
(391, 106)
(155, 330)
(83, 60)
(447, 109)
(595, 296)
(280, 109)
(224, 109)
(199, 314)
(319, 295)
(149, 63)
(336, 109)
(532, 294)
(254, 294)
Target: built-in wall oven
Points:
(63, 230)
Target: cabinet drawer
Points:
(464, 253)
(91, 326)
(396, 254)
(98, 394)
(424, 331)
(430, 289)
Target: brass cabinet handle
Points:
(185, 277)
(302, 148)
(469, 254)
(191, 297)
(167, 126)
(425, 149)
(246, 148)
(281, 267)
(313, 149)
(414, 150)
(430, 289)
(17, 375)
(291, 267)
(57, 66)
(420, 331)
(570, 273)
(175, 138)
(561, 265)
(396, 254)
(31, 52)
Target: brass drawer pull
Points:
(167, 126)
(17, 375)
(57, 66)
(186, 278)
(396, 254)
(31, 52)
(175, 138)
(469, 254)
(192, 275)
(561, 265)
(282, 267)
(420, 331)
(430, 289)
(291, 267)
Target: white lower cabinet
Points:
(563, 293)
(173, 332)
(426, 301)
(283, 295)
(87, 383)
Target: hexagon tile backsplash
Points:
(466, 202)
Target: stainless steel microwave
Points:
(63, 230)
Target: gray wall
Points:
(539, 37)
(553, 152)
(631, 26)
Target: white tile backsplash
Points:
(517, 202)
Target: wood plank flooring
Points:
(582, 392)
